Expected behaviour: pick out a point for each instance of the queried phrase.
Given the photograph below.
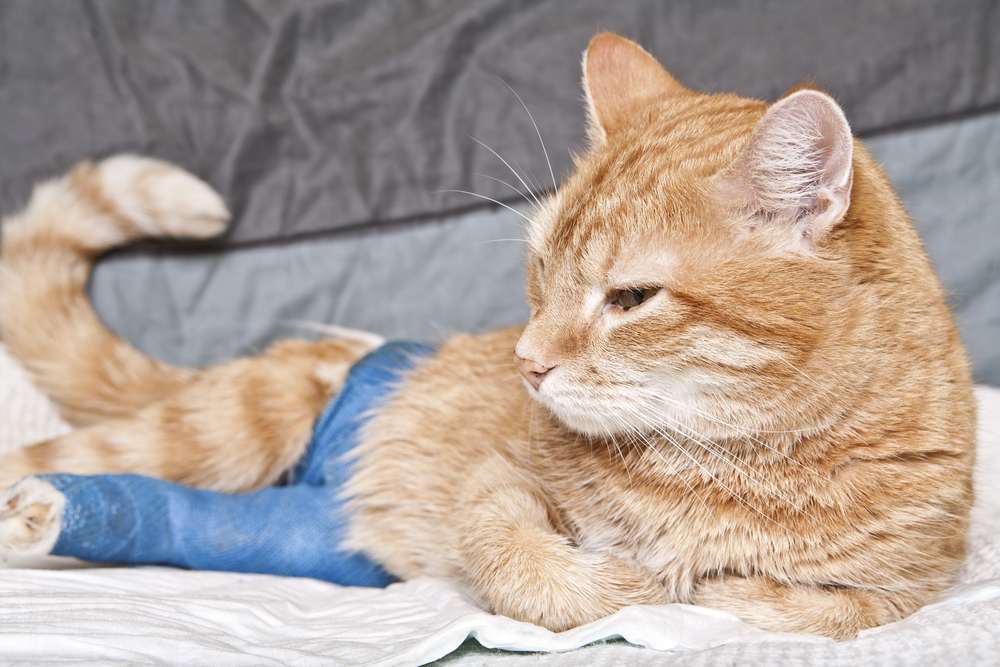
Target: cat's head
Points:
(686, 273)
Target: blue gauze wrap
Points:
(297, 529)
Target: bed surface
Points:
(81, 614)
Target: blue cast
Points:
(297, 529)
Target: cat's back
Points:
(910, 344)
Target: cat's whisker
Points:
(650, 444)
(743, 430)
(815, 384)
(713, 450)
(735, 496)
(769, 488)
(628, 473)
(505, 241)
(538, 133)
(489, 199)
(527, 187)
(747, 433)
(509, 186)
(652, 448)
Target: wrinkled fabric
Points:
(316, 115)
(293, 530)
(112, 616)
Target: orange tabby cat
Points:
(740, 384)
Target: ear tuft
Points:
(797, 169)
(618, 76)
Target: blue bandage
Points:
(297, 529)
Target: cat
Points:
(740, 385)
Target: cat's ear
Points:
(619, 75)
(797, 169)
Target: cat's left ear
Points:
(797, 171)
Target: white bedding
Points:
(69, 613)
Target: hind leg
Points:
(235, 427)
(292, 530)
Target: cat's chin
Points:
(575, 420)
(585, 425)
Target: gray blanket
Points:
(332, 127)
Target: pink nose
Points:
(532, 371)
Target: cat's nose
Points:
(532, 371)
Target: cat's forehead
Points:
(632, 245)
(645, 196)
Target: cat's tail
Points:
(47, 250)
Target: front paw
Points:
(30, 518)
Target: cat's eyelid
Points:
(638, 284)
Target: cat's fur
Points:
(785, 430)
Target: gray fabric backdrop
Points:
(330, 126)
(316, 115)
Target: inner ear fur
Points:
(797, 169)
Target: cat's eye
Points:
(630, 297)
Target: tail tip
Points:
(163, 199)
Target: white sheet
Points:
(161, 615)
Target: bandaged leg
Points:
(284, 530)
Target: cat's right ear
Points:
(618, 77)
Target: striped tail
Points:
(47, 251)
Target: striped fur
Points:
(45, 262)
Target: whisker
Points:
(621, 454)
(490, 199)
(745, 432)
(743, 429)
(650, 447)
(735, 496)
(538, 132)
(815, 384)
(512, 170)
(505, 183)
(723, 455)
(738, 497)
(505, 241)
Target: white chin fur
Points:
(612, 416)
(588, 425)
(576, 420)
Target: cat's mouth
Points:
(622, 407)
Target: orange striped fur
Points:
(784, 428)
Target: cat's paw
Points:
(161, 198)
(30, 518)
